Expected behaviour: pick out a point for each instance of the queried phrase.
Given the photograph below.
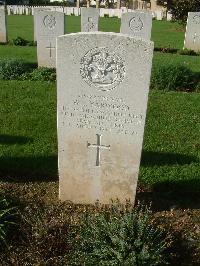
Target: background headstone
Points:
(159, 15)
(192, 36)
(89, 19)
(36, 10)
(169, 16)
(137, 23)
(50, 24)
(3, 31)
(102, 85)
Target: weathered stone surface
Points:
(36, 10)
(89, 19)
(192, 36)
(50, 25)
(3, 32)
(102, 91)
(137, 23)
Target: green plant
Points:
(187, 52)
(13, 68)
(119, 236)
(40, 74)
(6, 219)
(19, 41)
(173, 78)
(198, 87)
(165, 50)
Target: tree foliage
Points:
(180, 8)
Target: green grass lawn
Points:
(164, 34)
(28, 143)
(169, 172)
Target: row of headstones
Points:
(48, 25)
(136, 23)
(29, 10)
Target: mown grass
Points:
(169, 172)
(164, 33)
(29, 54)
(28, 142)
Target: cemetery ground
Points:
(169, 172)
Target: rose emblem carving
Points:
(102, 69)
(49, 21)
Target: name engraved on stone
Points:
(98, 146)
(136, 24)
(102, 68)
(49, 22)
(102, 113)
(196, 19)
(50, 49)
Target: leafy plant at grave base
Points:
(13, 68)
(174, 78)
(40, 74)
(119, 236)
(20, 41)
(165, 50)
(7, 216)
(198, 87)
(188, 52)
(32, 43)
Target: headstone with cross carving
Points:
(3, 31)
(102, 84)
(192, 35)
(137, 23)
(50, 25)
(89, 19)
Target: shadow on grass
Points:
(172, 195)
(11, 140)
(25, 169)
(150, 158)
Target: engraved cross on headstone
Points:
(99, 147)
(50, 49)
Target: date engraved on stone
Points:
(104, 114)
(49, 22)
(136, 24)
(196, 19)
(102, 69)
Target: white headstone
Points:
(169, 16)
(192, 36)
(3, 32)
(102, 85)
(137, 23)
(76, 11)
(101, 12)
(89, 19)
(159, 15)
(50, 24)
(36, 10)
